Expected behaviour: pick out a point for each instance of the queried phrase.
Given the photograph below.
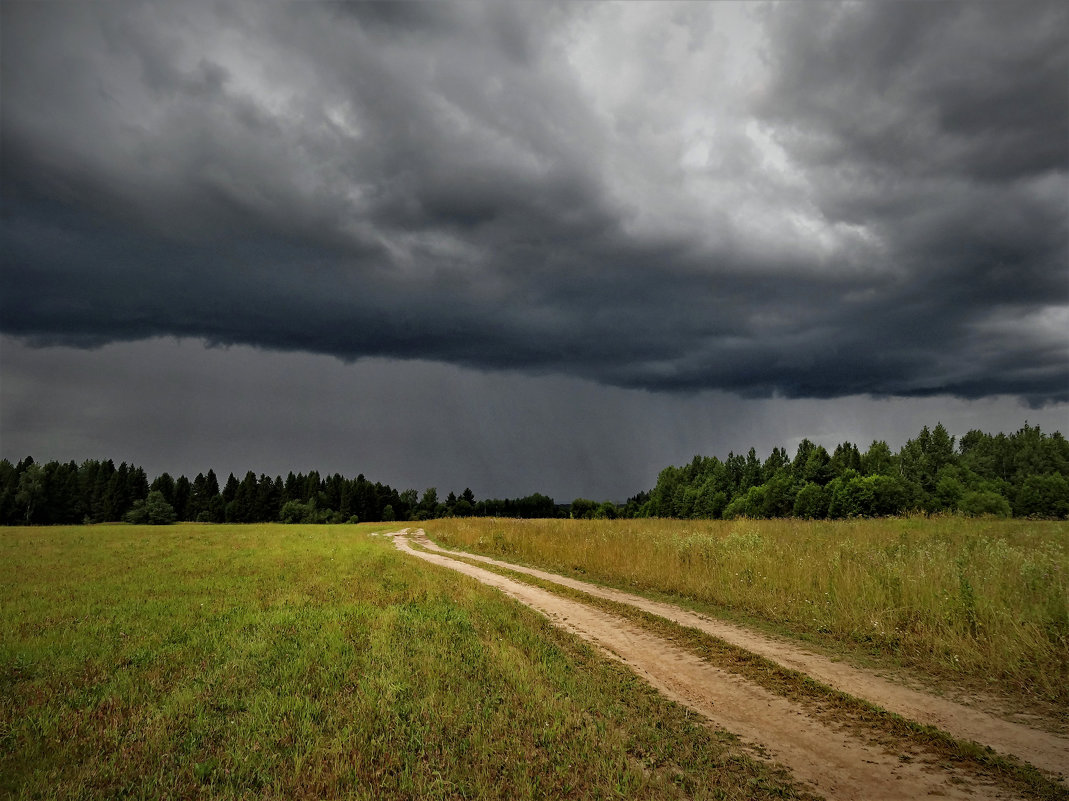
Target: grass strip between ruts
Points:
(869, 720)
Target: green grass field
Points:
(975, 604)
(197, 661)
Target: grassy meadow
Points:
(973, 603)
(264, 661)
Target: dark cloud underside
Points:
(863, 198)
(177, 407)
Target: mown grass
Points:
(297, 662)
(983, 603)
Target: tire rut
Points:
(829, 759)
(1042, 749)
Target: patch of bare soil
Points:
(1040, 748)
(831, 760)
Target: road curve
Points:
(1043, 749)
(832, 761)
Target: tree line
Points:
(98, 491)
(1025, 474)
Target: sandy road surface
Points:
(1042, 749)
(832, 761)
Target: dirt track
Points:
(833, 762)
(1042, 749)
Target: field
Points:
(270, 661)
(196, 661)
(968, 605)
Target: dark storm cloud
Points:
(178, 407)
(880, 206)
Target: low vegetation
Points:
(979, 602)
(195, 661)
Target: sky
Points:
(526, 246)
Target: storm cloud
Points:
(800, 200)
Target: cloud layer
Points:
(175, 406)
(806, 200)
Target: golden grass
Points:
(984, 600)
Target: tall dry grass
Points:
(985, 599)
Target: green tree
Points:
(583, 509)
(9, 486)
(779, 496)
(30, 494)
(606, 511)
(297, 512)
(1043, 496)
(817, 466)
(877, 459)
(749, 504)
(710, 504)
(409, 501)
(428, 504)
(154, 510)
(166, 485)
(182, 494)
(846, 457)
(949, 489)
(984, 502)
(776, 461)
(811, 502)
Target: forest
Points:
(1025, 474)
(98, 492)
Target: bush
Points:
(1043, 496)
(752, 504)
(583, 509)
(975, 504)
(154, 511)
(865, 496)
(295, 512)
(811, 502)
(607, 511)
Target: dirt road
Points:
(832, 761)
(1042, 749)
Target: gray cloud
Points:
(630, 194)
(175, 406)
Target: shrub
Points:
(980, 503)
(752, 504)
(1043, 496)
(811, 501)
(154, 511)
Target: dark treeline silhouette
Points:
(98, 491)
(1025, 474)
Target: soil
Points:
(831, 760)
